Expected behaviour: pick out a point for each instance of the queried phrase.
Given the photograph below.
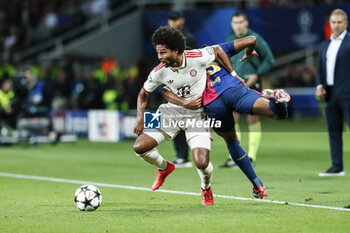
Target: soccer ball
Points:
(88, 198)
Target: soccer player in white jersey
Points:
(184, 73)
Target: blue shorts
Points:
(239, 99)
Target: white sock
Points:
(205, 175)
(153, 157)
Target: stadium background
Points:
(95, 55)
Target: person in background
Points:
(177, 20)
(251, 70)
(7, 115)
(333, 84)
(327, 31)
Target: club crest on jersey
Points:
(193, 72)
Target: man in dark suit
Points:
(333, 79)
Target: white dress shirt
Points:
(331, 56)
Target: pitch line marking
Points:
(20, 176)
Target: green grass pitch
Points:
(290, 156)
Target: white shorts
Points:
(196, 141)
(175, 118)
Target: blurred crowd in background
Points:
(27, 23)
(101, 84)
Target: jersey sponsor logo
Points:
(152, 120)
(170, 81)
(193, 72)
(183, 91)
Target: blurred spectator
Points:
(113, 96)
(61, 92)
(40, 95)
(77, 88)
(64, 19)
(133, 85)
(109, 63)
(99, 7)
(296, 75)
(11, 37)
(327, 28)
(6, 111)
(50, 20)
(91, 96)
(177, 20)
(96, 7)
(40, 32)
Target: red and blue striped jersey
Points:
(218, 78)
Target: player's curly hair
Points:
(170, 37)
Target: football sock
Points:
(254, 139)
(279, 109)
(153, 157)
(243, 162)
(205, 175)
(239, 134)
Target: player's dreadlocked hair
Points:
(170, 37)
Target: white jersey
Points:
(188, 80)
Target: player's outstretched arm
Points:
(142, 100)
(233, 47)
(222, 57)
(193, 104)
(248, 42)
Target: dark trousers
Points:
(337, 110)
(181, 146)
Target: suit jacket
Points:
(341, 87)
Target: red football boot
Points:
(161, 175)
(207, 197)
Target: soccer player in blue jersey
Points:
(227, 92)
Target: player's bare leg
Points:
(252, 119)
(229, 137)
(272, 104)
(205, 171)
(270, 108)
(201, 157)
(262, 107)
(236, 117)
(144, 143)
(145, 148)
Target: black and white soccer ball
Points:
(88, 197)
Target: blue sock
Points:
(243, 162)
(279, 109)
